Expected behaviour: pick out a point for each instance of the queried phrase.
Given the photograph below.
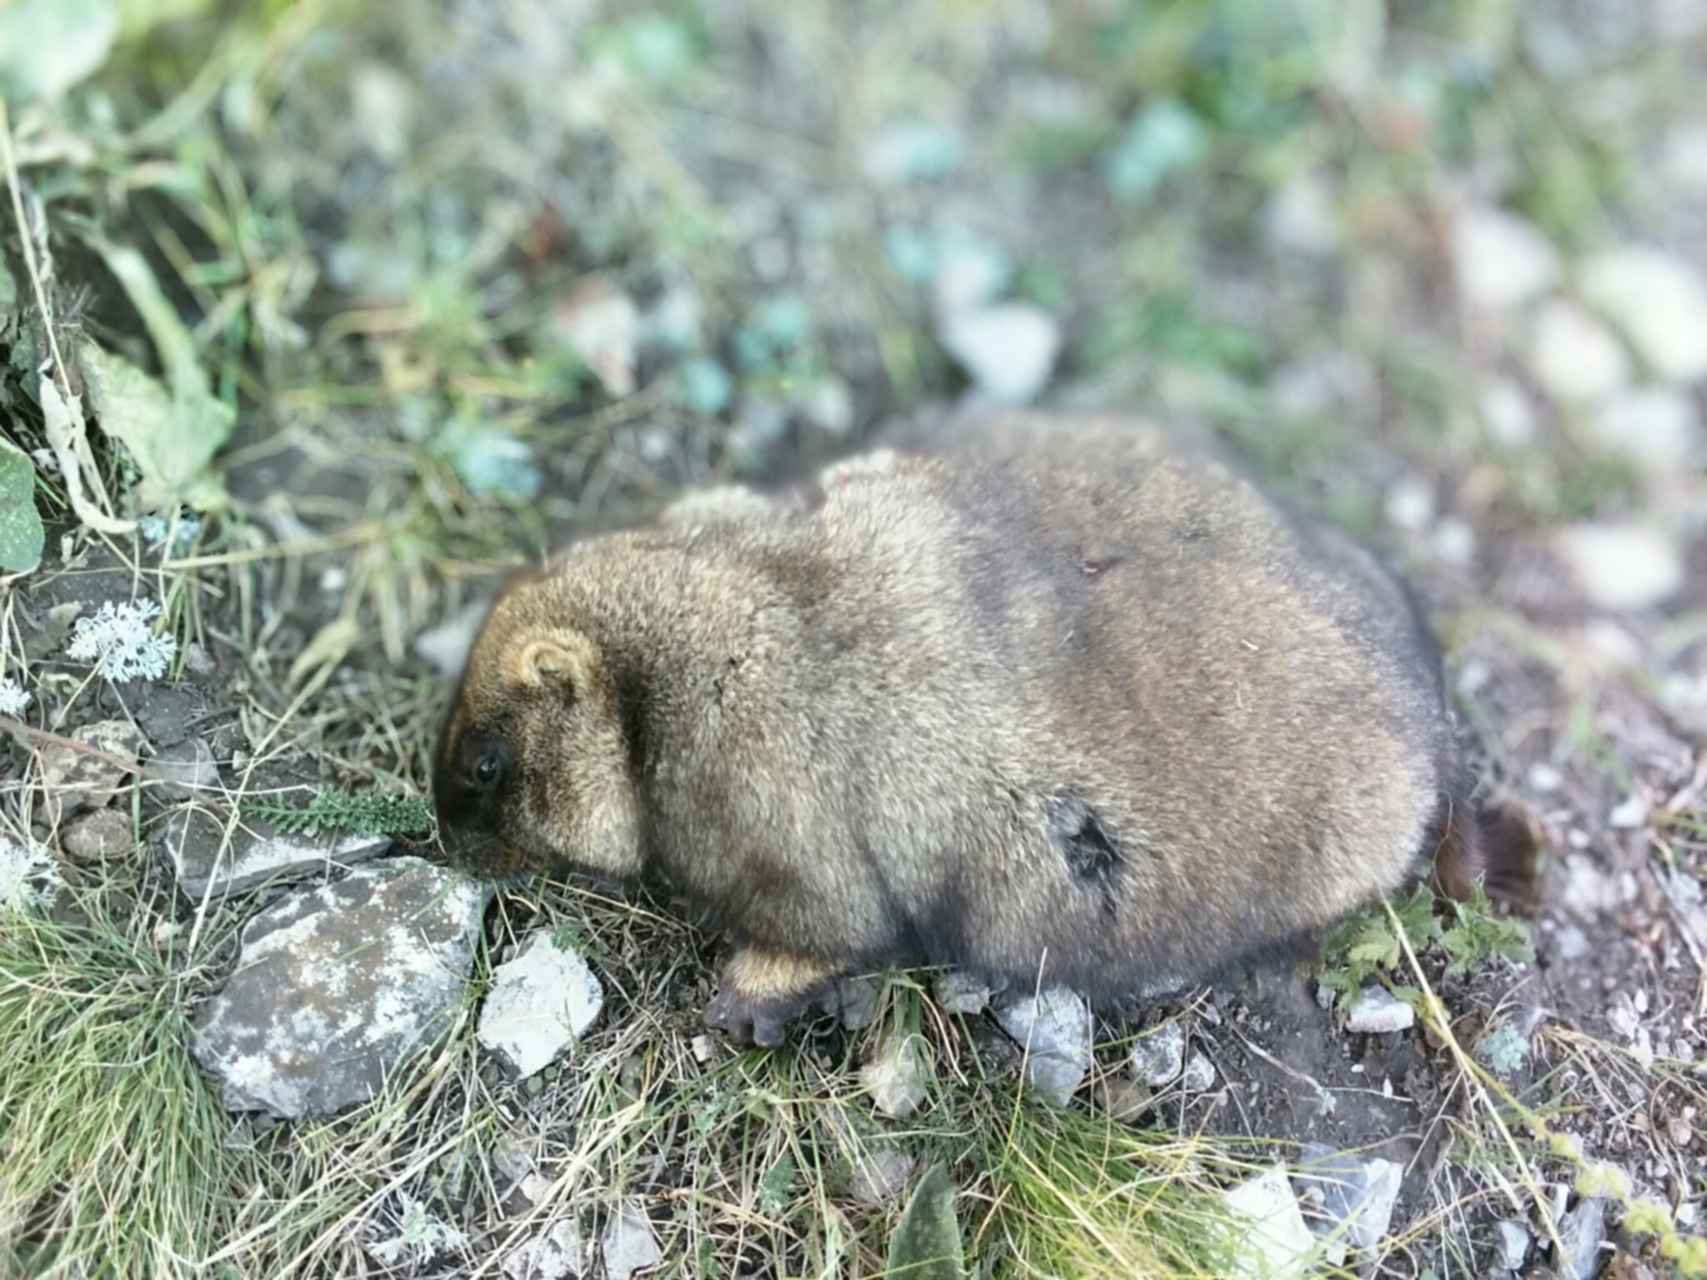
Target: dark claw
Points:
(747, 1021)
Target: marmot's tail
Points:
(1497, 844)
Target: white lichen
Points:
(29, 877)
(155, 528)
(13, 697)
(420, 1236)
(120, 644)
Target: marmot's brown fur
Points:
(1061, 700)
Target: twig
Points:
(62, 411)
(1435, 1013)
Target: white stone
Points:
(601, 325)
(1621, 566)
(1507, 413)
(1500, 259)
(897, 1075)
(1199, 1074)
(1278, 1246)
(1629, 815)
(969, 274)
(1544, 777)
(1053, 1028)
(1008, 349)
(1574, 356)
(1377, 1010)
(1302, 217)
(1454, 542)
(1660, 303)
(1654, 427)
(1684, 159)
(1514, 1240)
(446, 646)
(1159, 1056)
(1410, 504)
(628, 1242)
(541, 1002)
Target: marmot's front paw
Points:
(759, 991)
(748, 1020)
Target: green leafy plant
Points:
(1366, 945)
(926, 1244)
(366, 813)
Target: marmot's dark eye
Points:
(486, 768)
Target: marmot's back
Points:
(1191, 725)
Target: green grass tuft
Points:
(111, 1161)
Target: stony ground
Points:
(357, 306)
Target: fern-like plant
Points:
(365, 813)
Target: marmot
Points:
(1061, 700)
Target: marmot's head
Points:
(533, 770)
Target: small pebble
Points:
(1377, 1011)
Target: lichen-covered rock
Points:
(1159, 1056)
(541, 1003)
(104, 833)
(183, 771)
(336, 986)
(960, 992)
(194, 841)
(87, 771)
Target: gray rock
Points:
(1159, 1056)
(561, 1252)
(1660, 303)
(1123, 1099)
(336, 985)
(897, 1075)
(87, 772)
(1500, 259)
(1054, 1029)
(1376, 1010)
(959, 992)
(446, 646)
(1199, 1074)
(1277, 1245)
(1621, 566)
(1355, 1195)
(540, 1003)
(184, 771)
(1513, 1239)
(628, 1242)
(194, 842)
(101, 834)
(1581, 1231)
(1007, 349)
(880, 1175)
(1573, 356)
(853, 1000)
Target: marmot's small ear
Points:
(559, 658)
